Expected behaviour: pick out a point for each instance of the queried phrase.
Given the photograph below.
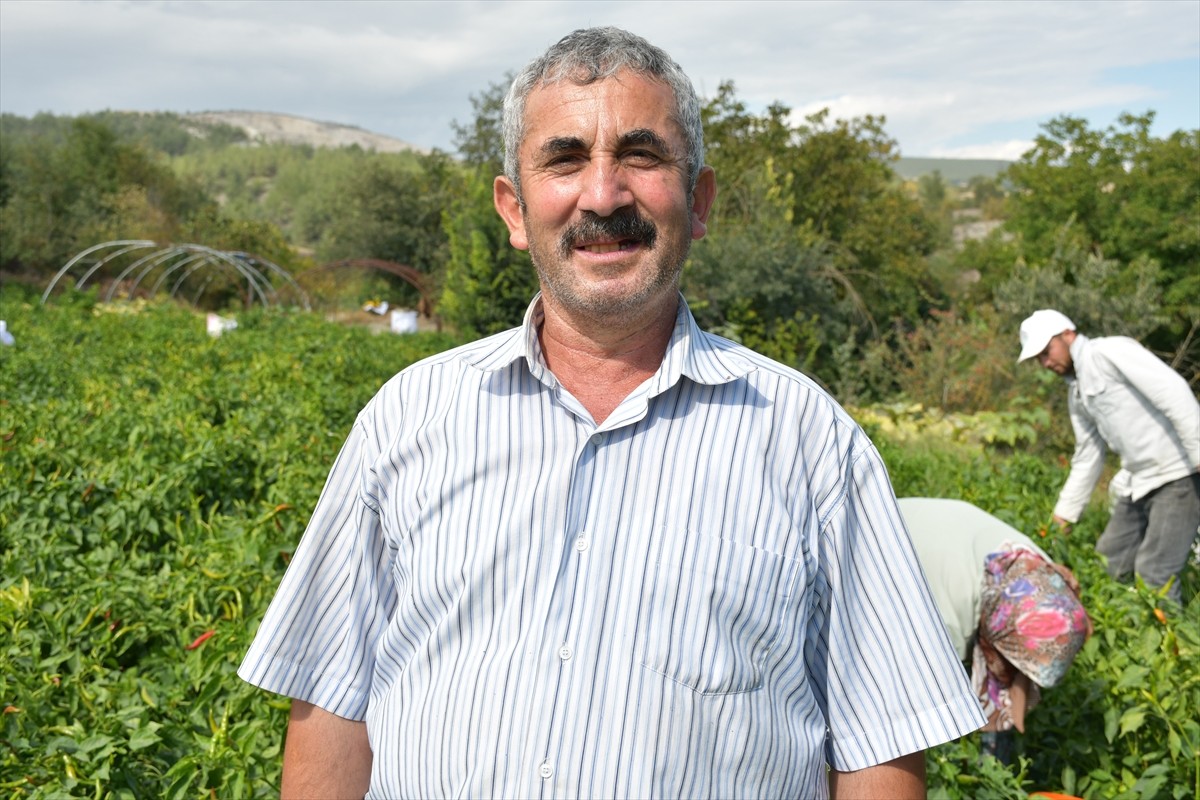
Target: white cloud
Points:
(1011, 150)
(949, 76)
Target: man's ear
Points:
(702, 200)
(508, 206)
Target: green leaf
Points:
(94, 742)
(1132, 719)
(144, 737)
(1068, 780)
(1134, 675)
(1112, 716)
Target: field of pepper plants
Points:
(154, 481)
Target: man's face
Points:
(604, 208)
(1057, 356)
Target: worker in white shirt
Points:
(1124, 398)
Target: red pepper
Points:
(201, 639)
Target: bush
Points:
(155, 481)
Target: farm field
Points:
(154, 481)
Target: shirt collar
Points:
(691, 352)
(1076, 351)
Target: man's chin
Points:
(607, 301)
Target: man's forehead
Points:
(624, 105)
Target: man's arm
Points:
(324, 756)
(1163, 388)
(900, 779)
(1087, 463)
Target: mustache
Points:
(626, 225)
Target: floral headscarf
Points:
(1031, 618)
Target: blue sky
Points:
(953, 79)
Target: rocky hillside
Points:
(270, 128)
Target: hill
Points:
(953, 170)
(271, 128)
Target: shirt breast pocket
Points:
(716, 611)
(1104, 403)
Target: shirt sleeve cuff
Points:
(900, 737)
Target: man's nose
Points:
(605, 189)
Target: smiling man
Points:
(607, 554)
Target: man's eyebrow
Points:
(643, 137)
(561, 144)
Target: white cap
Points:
(1039, 328)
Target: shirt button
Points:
(581, 544)
(545, 770)
(564, 653)
(597, 438)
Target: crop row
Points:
(154, 480)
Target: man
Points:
(606, 554)
(1011, 612)
(1124, 398)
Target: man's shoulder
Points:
(755, 362)
(1107, 344)
(484, 354)
(440, 372)
(766, 373)
(1115, 351)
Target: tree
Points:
(987, 195)
(763, 281)
(489, 283)
(1101, 295)
(931, 189)
(61, 196)
(481, 141)
(1127, 197)
(841, 187)
(811, 239)
(844, 186)
(392, 211)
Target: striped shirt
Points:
(710, 594)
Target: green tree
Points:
(931, 189)
(845, 187)
(480, 142)
(809, 225)
(1128, 197)
(763, 281)
(62, 196)
(841, 188)
(392, 209)
(489, 283)
(1102, 295)
(986, 193)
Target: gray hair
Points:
(594, 54)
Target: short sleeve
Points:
(881, 662)
(317, 640)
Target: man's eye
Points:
(564, 160)
(642, 157)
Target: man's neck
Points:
(601, 361)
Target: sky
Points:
(953, 79)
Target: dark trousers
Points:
(1153, 536)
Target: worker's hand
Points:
(1064, 526)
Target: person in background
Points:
(1123, 398)
(1012, 614)
(607, 554)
